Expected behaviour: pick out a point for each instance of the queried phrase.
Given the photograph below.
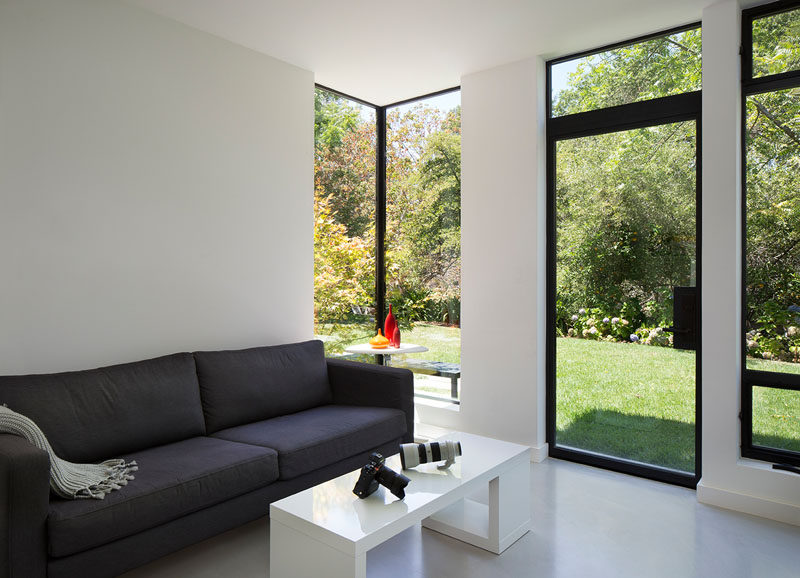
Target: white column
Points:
(503, 258)
(727, 480)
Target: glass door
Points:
(625, 288)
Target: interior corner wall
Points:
(156, 189)
(503, 258)
(728, 480)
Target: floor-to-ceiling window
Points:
(344, 220)
(771, 312)
(624, 256)
(423, 237)
(388, 230)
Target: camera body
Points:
(412, 455)
(376, 472)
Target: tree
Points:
(344, 208)
(659, 67)
(424, 205)
(626, 218)
(626, 208)
(343, 266)
(773, 192)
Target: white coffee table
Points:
(327, 530)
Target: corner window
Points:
(387, 208)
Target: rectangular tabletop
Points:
(331, 514)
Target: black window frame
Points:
(751, 378)
(381, 132)
(676, 108)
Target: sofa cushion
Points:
(248, 385)
(100, 413)
(173, 480)
(311, 439)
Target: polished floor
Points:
(586, 523)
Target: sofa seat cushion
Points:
(311, 439)
(173, 480)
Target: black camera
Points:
(376, 472)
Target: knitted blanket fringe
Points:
(69, 480)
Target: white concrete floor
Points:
(586, 523)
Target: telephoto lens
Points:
(412, 455)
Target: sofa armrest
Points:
(24, 503)
(354, 383)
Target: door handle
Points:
(676, 330)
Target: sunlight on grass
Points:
(776, 418)
(776, 412)
(630, 401)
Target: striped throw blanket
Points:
(70, 480)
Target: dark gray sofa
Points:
(218, 435)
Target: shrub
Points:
(596, 324)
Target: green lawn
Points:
(637, 402)
(776, 412)
(624, 400)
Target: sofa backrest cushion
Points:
(249, 385)
(103, 413)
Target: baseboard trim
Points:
(779, 511)
(539, 453)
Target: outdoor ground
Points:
(625, 400)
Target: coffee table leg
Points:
(292, 554)
(506, 519)
(509, 507)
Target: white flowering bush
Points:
(593, 323)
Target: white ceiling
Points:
(383, 52)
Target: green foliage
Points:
(777, 333)
(409, 305)
(343, 266)
(412, 304)
(625, 201)
(773, 195)
(776, 43)
(423, 241)
(651, 69)
(626, 220)
(334, 117)
(344, 210)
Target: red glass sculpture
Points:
(389, 325)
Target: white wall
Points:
(728, 480)
(155, 189)
(503, 257)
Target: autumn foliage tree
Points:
(423, 210)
